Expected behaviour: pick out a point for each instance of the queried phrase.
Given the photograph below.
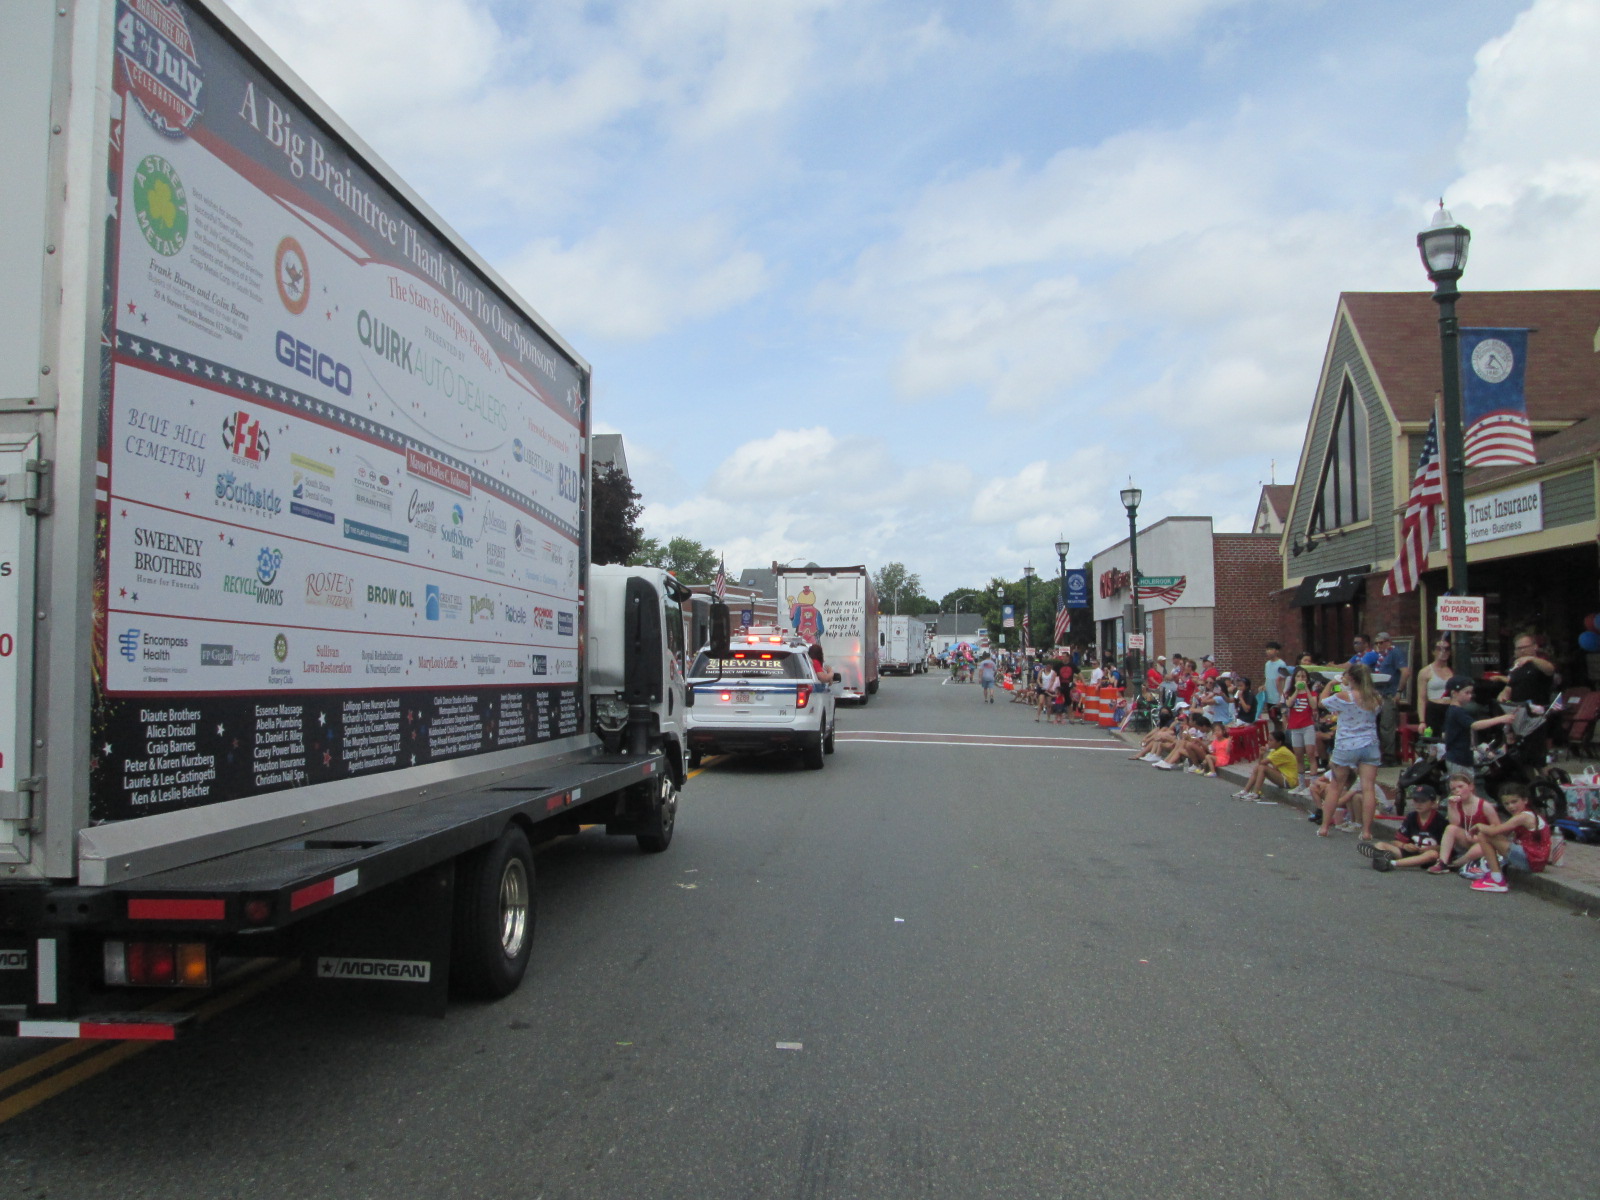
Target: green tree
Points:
(684, 557)
(614, 509)
(899, 590)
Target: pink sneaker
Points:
(1489, 884)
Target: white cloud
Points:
(1530, 190)
(637, 283)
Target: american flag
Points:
(719, 585)
(1163, 591)
(1416, 528)
(1063, 621)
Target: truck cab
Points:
(637, 665)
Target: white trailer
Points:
(298, 648)
(905, 646)
(838, 608)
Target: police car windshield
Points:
(754, 662)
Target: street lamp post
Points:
(1027, 627)
(1130, 501)
(1062, 547)
(1443, 246)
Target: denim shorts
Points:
(1515, 858)
(1357, 756)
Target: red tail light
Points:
(802, 695)
(157, 964)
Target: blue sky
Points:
(864, 280)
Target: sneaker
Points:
(1437, 868)
(1314, 817)
(1382, 862)
(1474, 870)
(1210, 774)
(1164, 765)
(1241, 794)
(1349, 827)
(1489, 884)
(1152, 757)
(1370, 849)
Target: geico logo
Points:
(388, 595)
(308, 360)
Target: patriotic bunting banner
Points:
(1494, 408)
(1162, 587)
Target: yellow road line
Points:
(255, 980)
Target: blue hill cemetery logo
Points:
(161, 205)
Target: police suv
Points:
(764, 696)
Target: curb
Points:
(1582, 897)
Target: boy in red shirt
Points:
(1528, 848)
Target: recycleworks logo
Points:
(268, 560)
(244, 437)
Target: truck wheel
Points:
(827, 742)
(656, 833)
(494, 913)
(811, 756)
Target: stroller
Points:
(1495, 764)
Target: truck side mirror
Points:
(720, 630)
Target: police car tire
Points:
(827, 742)
(481, 967)
(811, 755)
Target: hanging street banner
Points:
(1494, 410)
(1077, 588)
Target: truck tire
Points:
(872, 688)
(655, 834)
(494, 914)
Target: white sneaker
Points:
(1164, 765)
(1152, 757)
(1241, 794)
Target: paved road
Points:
(1028, 970)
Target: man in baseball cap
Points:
(1417, 843)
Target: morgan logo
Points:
(244, 437)
(383, 970)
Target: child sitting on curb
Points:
(1220, 752)
(1276, 765)
(1466, 809)
(1191, 746)
(1530, 849)
(1417, 844)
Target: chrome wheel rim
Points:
(514, 893)
(669, 804)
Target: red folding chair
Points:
(1580, 731)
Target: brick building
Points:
(1202, 593)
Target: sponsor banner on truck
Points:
(342, 473)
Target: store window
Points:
(1344, 493)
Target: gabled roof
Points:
(953, 624)
(1400, 332)
(1278, 495)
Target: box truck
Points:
(838, 608)
(905, 647)
(299, 650)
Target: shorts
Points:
(1357, 756)
(1515, 858)
(1303, 738)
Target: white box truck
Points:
(838, 608)
(905, 649)
(299, 648)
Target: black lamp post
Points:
(1027, 627)
(1062, 547)
(1443, 246)
(1130, 501)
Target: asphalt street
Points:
(941, 967)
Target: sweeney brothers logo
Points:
(166, 558)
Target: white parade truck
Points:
(905, 649)
(300, 653)
(837, 608)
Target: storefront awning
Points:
(1334, 587)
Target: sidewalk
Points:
(1575, 882)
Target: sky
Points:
(893, 280)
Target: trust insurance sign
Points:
(1505, 514)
